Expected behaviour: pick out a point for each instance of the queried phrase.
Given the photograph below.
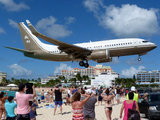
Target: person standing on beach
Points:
(51, 95)
(42, 96)
(136, 95)
(77, 105)
(108, 105)
(89, 106)
(117, 92)
(100, 91)
(58, 98)
(23, 102)
(128, 104)
(3, 99)
(10, 106)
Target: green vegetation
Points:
(50, 83)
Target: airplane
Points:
(99, 51)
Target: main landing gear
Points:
(86, 65)
(139, 59)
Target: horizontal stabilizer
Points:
(20, 50)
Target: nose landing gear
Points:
(139, 59)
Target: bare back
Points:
(107, 100)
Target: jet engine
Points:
(99, 54)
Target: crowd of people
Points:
(82, 101)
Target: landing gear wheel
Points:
(81, 63)
(86, 65)
(139, 59)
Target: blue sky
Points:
(76, 21)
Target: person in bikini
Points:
(51, 95)
(77, 105)
(3, 99)
(108, 105)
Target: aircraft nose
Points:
(154, 45)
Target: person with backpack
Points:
(129, 104)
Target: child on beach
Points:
(32, 111)
(10, 106)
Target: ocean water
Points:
(12, 93)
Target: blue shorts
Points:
(42, 97)
(58, 102)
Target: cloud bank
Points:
(128, 73)
(50, 28)
(125, 21)
(19, 71)
(11, 6)
(62, 67)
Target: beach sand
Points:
(47, 114)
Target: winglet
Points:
(33, 30)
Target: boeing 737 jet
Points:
(100, 51)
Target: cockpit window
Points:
(144, 41)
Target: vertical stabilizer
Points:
(30, 41)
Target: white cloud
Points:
(10, 5)
(62, 67)
(70, 20)
(2, 30)
(13, 23)
(132, 71)
(19, 71)
(125, 21)
(49, 27)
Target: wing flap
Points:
(65, 47)
(20, 50)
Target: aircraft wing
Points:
(20, 50)
(76, 51)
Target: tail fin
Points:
(30, 41)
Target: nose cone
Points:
(154, 45)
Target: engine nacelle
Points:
(100, 54)
(104, 60)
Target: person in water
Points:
(108, 105)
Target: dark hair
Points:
(10, 98)
(21, 87)
(75, 87)
(107, 91)
(85, 87)
(30, 103)
(130, 95)
(101, 87)
(82, 91)
(51, 89)
(1, 95)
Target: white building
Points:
(2, 75)
(105, 79)
(45, 80)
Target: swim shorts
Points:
(58, 102)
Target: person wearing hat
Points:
(89, 106)
(136, 95)
(10, 106)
